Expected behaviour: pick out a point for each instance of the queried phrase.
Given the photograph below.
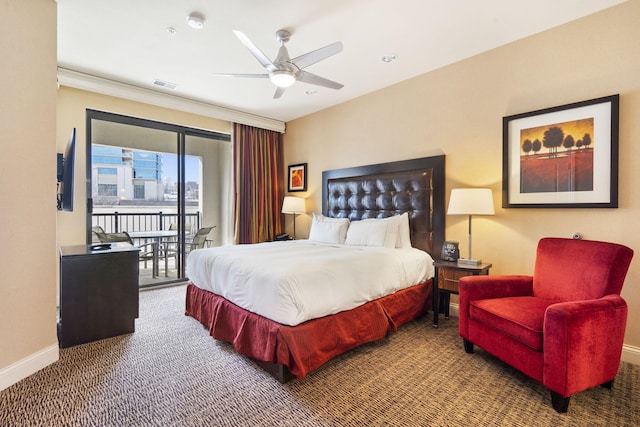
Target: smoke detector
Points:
(196, 20)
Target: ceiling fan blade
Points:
(313, 79)
(317, 55)
(279, 92)
(261, 57)
(258, 76)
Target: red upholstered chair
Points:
(564, 326)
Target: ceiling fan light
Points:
(282, 78)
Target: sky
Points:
(170, 166)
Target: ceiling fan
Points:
(285, 71)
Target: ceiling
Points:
(127, 41)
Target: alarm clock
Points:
(450, 251)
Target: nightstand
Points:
(446, 279)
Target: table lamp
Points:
(294, 205)
(470, 201)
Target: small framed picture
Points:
(298, 177)
(450, 251)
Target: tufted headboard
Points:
(386, 189)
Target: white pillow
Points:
(393, 234)
(404, 236)
(398, 229)
(372, 232)
(328, 230)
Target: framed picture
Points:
(562, 157)
(298, 177)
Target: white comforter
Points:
(295, 281)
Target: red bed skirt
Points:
(307, 346)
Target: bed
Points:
(297, 344)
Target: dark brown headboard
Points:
(386, 189)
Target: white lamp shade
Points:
(294, 205)
(471, 201)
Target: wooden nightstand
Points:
(446, 281)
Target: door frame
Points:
(182, 132)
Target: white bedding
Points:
(295, 281)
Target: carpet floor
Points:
(171, 373)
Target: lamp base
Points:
(469, 262)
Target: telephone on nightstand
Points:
(450, 251)
(282, 237)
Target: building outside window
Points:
(107, 190)
(138, 191)
(121, 174)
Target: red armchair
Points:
(564, 326)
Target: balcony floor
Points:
(146, 278)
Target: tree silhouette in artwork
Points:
(537, 145)
(586, 140)
(526, 146)
(553, 138)
(569, 142)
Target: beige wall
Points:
(28, 250)
(72, 106)
(458, 110)
(31, 137)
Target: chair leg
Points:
(166, 264)
(468, 346)
(559, 403)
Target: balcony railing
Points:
(143, 221)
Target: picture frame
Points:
(562, 157)
(297, 177)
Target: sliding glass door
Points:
(157, 184)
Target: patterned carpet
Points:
(171, 373)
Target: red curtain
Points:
(259, 183)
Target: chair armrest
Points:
(151, 245)
(583, 342)
(486, 287)
(116, 237)
(472, 288)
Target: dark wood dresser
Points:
(98, 293)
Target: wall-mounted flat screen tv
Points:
(66, 166)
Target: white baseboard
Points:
(630, 354)
(28, 366)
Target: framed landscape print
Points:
(564, 156)
(298, 177)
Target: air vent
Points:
(164, 84)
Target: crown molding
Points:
(95, 84)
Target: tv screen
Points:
(65, 196)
